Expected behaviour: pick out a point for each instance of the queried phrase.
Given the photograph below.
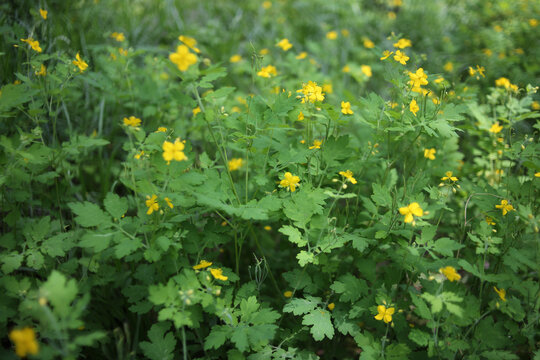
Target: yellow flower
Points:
(80, 63)
(312, 92)
(386, 54)
(189, 42)
(161, 129)
(418, 78)
(196, 110)
(479, 69)
(122, 52)
(430, 153)
(302, 55)
(501, 293)
(300, 116)
(284, 44)
(345, 32)
(385, 314)
(495, 128)
(289, 181)
(316, 144)
(25, 341)
(368, 44)
(505, 207)
(43, 13)
(537, 174)
(218, 274)
(235, 164)
(449, 177)
(266, 5)
(267, 71)
(139, 155)
(348, 175)
(152, 204)
(413, 106)
(448, 67)
(34, 44)
(438, 80)
(264, 51)
(183, 58)
(202, 265)
(366, 70)
(332, 35)
(174, 151)
(403, 43)
(118, 36)
(450, 273)
(169, 202)
(331, 306)
(535, 105)
(410, 211)
(533, 22)
(490, 221)
(328, 88)
(288, 294)
(401, 57)
(346, 108)
(346, 69)
(132, 121)
(487, 52)
(235, 58)
(42, 71)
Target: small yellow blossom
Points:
(487, 52)
(533, 22)
(430, 153)
(501, 293)
(392, 15)
(218, 274)
(348, 175)
(80, 63)
(346, 69)
(235, 58)
(535, 105)
(34, 44)
(42, 71)
(25, 341)
(290, 182)
(122, 51)
(311, 92)
(132, 121)
(118, 36)
(410, 211)
(203, 264)
(152, 204)
(331, 306)
(478, 70)
(161, 129)
(401, 57)
(267, 228)
(284, 44)
(384, 313)
(43, 13)
(139, 155)
(266, 5)
(438, 80)
(302, 55)
(328, 88)
(386, 54)
(449, 177)
(264, 51)
(174, 151)
(368, 44)
(346, 108)
(288, 293)
(489, 221)
(413, 107)
(448, 67)
(403, 43)
(169, 202)
(332, 35)
(495, 128)
(316, 144)
(537, 174)
(366, 70)
(235, 164)
(189, 42)
(183, 58)
(300, 116)
(505, 207)
(418, 78)
(196, 110)
(450, 273)
(267, 71)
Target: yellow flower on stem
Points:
(348, 175)
(450, 273)
(132, 121)
(218, 274)
(311, 92)
(490, 221)
(284, 44)
(43, 13)
(505, 207)
(316, 144)
(302, 55)
(386, 54)
(80, 63)
(413, 107)
(189, 42)
(366, 70)
(300, 116)
(289, 181)
(183, 58)
(152, 204)
(118, 36)
(368, 44)
(169, 202)
(42, 71)
(495, 128)
(346, 69)
(410, 211)
(418, 78)
(430, 153)
(288, 293)
(332, 35)
(401, 57)
(501, 293)
(235, 58)
(267, 71)
(385, 314)
(161, 129)
(174, 151)
(235, 164)
(403, 43)
(34, 44)
(331, 306)
(346, 108)
(25, 341)
(449, 177)
(202, 265)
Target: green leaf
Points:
(217, 336)
(115, 205)
(302, 306)
(350, 287)
(89, 215)
(161, 345)
(321, 324)
(446, 246)
(11, 262)
(420, 337)
(240, 337)
(295, 236)
(60, 293)
(305, 258)
(381, 196)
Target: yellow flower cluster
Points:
(348, 175)
(346, 108)
(216, 273)
(504, 82)
(235, 164)
(267, 71)
(118, 36)
(311, 92)
(417, 79)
